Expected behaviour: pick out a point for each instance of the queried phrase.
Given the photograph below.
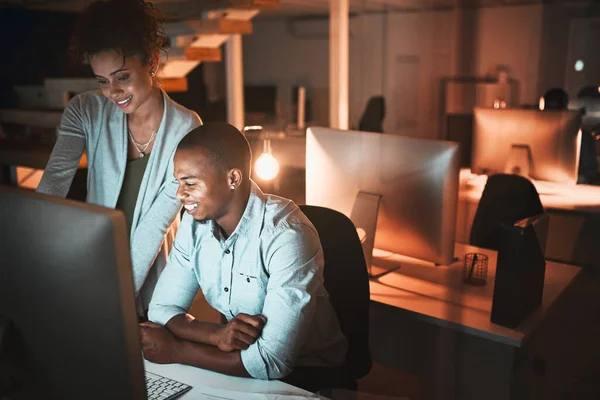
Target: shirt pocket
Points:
(247, 293)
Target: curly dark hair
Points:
(131, 27)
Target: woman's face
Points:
(126, 82)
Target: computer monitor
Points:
(591, 111)
(417, 180)
(543, 145)
(68, 322)
(261, 101)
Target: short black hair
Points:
(130, 27)
(226, 145)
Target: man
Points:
(258, 261)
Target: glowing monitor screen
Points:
(417, 180)
(552, 140)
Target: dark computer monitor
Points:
(543, 145)
(260, 102)
(68, 322)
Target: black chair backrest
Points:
(373, 116)
(347, 281)
(505, 199)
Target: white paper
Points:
(209, 393)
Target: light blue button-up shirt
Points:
(272, 264)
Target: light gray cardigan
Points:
(93, 123)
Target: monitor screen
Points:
(552, 140)
(67, 306)
(261, 100)
(416, 178)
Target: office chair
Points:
(347, 281)
(505, 199)
(373, 116)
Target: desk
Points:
(204, 382)
(425, 321)
(574, 226)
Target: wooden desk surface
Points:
(28, 154)
(437, 294)
(554, 196)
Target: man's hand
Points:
(158, 343)
(240, 332)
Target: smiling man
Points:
(257, 259)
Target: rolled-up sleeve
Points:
(178, 284)
(294, 260)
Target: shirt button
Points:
(227, 251)
(226, 290)
(247, 279)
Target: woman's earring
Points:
(232, 187)
(152, 73)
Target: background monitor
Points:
(553, 139)
(66, 293)
(416, 178)
(591, 110)
(260, 102)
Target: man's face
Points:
(204, 189)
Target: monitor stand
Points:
(364, 215)
(519, 160)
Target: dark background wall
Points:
(35, 46)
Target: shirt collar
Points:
(252, 219)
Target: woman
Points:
(129, 129)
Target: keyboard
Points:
(161, 388)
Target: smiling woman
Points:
(129, 129)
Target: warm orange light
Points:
(267, 166)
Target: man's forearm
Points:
(186, 327)
(210, 357)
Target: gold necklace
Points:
(141, 148)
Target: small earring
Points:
(152, 73)
(232, 187)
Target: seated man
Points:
(257, 259)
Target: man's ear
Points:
(235, 177)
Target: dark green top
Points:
(134, 172)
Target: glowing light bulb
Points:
(266, 166)
(542, 104)
(579, 65)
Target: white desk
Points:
(425, 321)
(208, 385)
(554, 196)
(438, 295)
(574, 228)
